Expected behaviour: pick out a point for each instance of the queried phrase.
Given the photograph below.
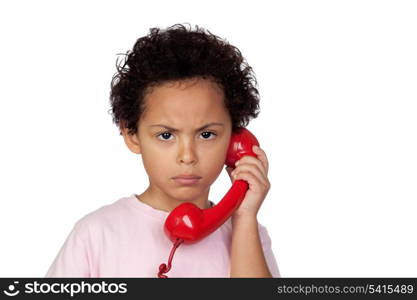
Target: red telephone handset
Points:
(187, 223)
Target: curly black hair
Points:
(178, 53)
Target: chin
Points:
(187, 194)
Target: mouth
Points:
(187, 179)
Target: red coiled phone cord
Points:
(163, 268)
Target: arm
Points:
(247, 256)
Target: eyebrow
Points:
(176, 130)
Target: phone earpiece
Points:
(241, 144)
(187, 223)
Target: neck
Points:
(159, 200)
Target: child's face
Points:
(185, 106)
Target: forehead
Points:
(193, 101)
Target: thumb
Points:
(229, 171)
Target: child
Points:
(176, 100)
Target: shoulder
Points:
(104, 218)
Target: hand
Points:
(255, 172)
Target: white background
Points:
(338, 86)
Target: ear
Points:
(131, 140)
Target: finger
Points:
(261, 156)
(252, 161)
(254, 183)
(251, 168)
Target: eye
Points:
(164, 134)
(209, 133)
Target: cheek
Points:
(212, 166)
(156, 165)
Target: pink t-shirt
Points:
(126, 239)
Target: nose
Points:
(186, 154)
